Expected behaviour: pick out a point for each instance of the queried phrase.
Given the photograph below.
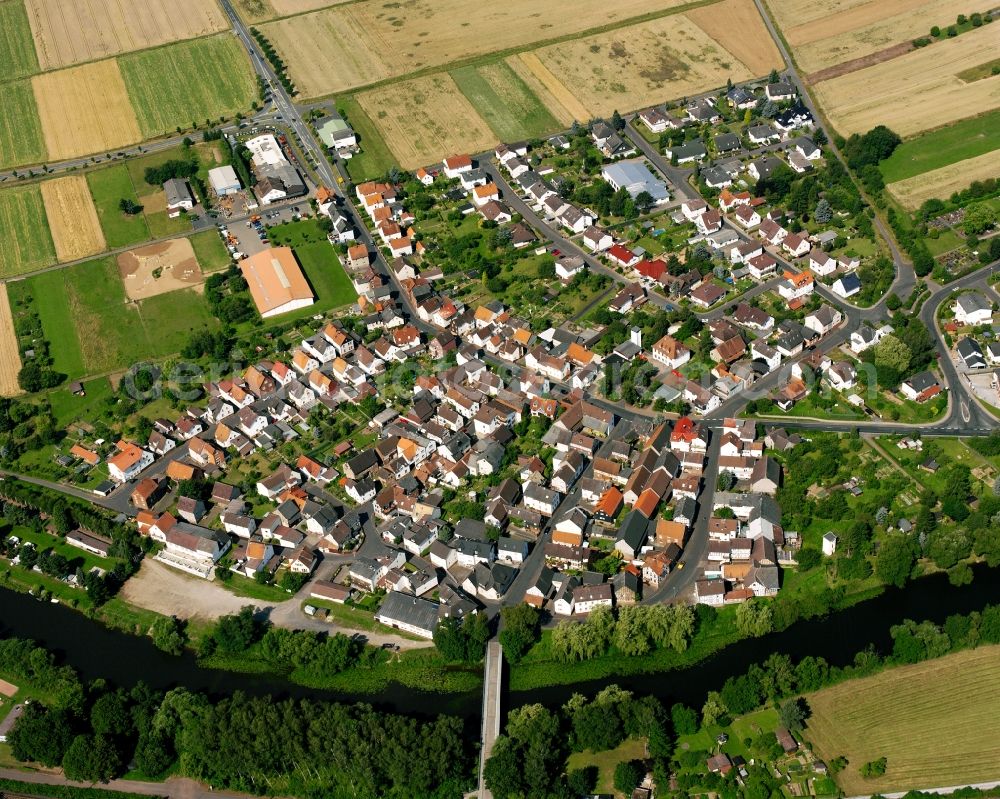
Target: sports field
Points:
(629, 67)
(937, 723)
(369, 41)
(25, 243)
(109, 186)
(887, 93)
(73, 222)
(92, 328)
(942, 183)
(10, 356)
(503, 99)
(425, 119)
(17, 51)
(85, 110)
(20, 129)
(188, 82)
(868, 28)
(937, 148)
(69, 31)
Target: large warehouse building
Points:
(276, 282)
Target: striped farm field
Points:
(884, 94)
(739, 27)
(418, 120)
(85, 110)
(504, 100)
(10, 352)
(17, 51)
(25, 243)
(73, 222)
(188, 82)
(70, 32)
(841, 36)
(937, 723)
(21, 139)
(942, 183)
(360, 43)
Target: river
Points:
(96, 651)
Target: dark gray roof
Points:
(410, 610)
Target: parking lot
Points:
(252, 233)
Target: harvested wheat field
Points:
(284, 8)
(942, 183)
(559, 108)
(159, 268)
(634, 66)
(792, 13)
(887, 93)
(936, 723)
(870, 28)
(425, 119)
(372, 40)
(253, 11)
(70, 32)
(737, 26)
(76, 230)
(85, 110)
(10, 359)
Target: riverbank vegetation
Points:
(742, 717)
(93, 731)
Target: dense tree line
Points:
(637, 630)
(306, 748)
(228, 296)
(174, 168)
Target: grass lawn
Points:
(319, 261)
(244, 586)
(46, 293)
(76, 556)
(108, 187)
(375, 158)
(17, 50)
(210, 251)
(21, 140)
(965, 139)
(505, 101)
(630, 749)
(25, 241)
(946, 241)
(92, 328)
(67, 407)
(188, 82)
(928, 734)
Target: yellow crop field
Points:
(868, 29)
(10, 353)
(917, 91)
(792, 13)
(85, 110)
(738, 27)
(633, 66)
(76, 230)
(426, 119)
(936, 723)
(285, 7)
(356, 44)
(548, 88)
(943, 182)
(69, 31)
